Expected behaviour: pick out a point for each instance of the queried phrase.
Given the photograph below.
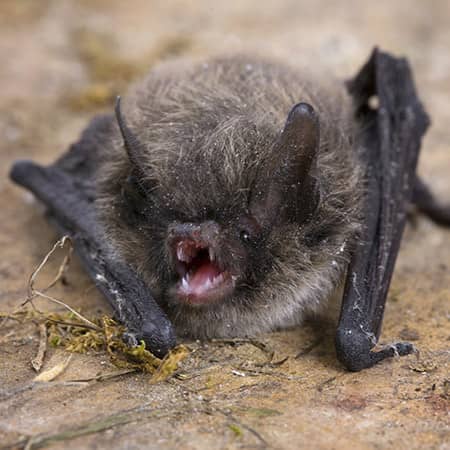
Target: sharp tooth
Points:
(207, 285)
(181, 254)
(218, 280)
(184, 284)
(212, 256)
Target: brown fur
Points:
(207, 129)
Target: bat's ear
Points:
(288, 186)
(133, 147)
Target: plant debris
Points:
(236, 429)
(37, 361)
(55, 371)
(263, 412)
(423, 366)
(67, 332)
(169, 364)
(75, 333)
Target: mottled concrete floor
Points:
(63, 61)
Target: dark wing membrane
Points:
(392, 138)
(426, 202)
(67, 188)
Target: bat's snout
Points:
(194, 249)
(206, 233)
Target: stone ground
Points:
(63, 61)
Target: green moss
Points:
(263, 412)
(68, 332)
(236, 429)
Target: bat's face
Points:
(201, 246)
(210, 259)
(195, 259)
(226, 213)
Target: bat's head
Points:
(226, 213)
(214, 251)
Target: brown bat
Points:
(234, 197)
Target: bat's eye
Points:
(245, 236)
(134, 194)
(249, 229)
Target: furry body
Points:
(208, 131)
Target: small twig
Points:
(6, 336)
(32, 292)
(323, 384)
(37, 361)
(258, 344)
(106, 376)
(55, 371)
(91, 427)
(64, 265)
(59, 244)
(75, 313)
(72, 324)
(243, 425)
(279, 363)
(5, 395)
(260, 371)
(309, 348)
(10, 316)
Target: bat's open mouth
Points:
(202, 280)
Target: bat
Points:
(237, 196)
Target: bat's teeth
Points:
(184, 283)
(218, 280)
(212, 256)
(181, 254)
(206, 286)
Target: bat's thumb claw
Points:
(403, 348)
(354, 349)
(21, 170)
(158, 339)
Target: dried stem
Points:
(33, 293)
(62, 268)
(38, 360)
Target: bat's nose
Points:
(204, 233)
(191, 245)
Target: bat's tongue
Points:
(202, 281)
(206, 276)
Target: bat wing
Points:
(392, 133)
(67, 188)
(427, 204)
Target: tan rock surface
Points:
(62, 61)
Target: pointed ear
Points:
(138, 183)
(133, 147)
(287, 184)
